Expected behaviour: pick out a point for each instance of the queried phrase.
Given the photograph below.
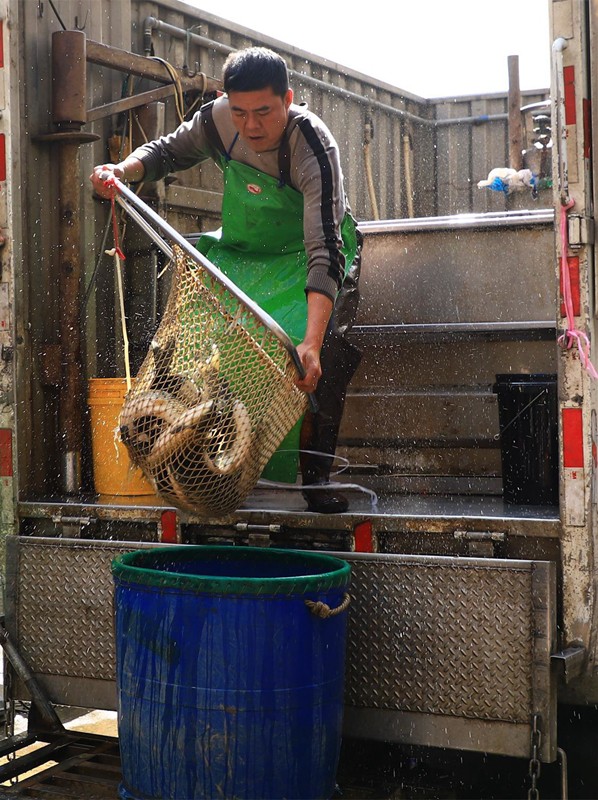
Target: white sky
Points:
(431, 48)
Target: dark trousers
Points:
(339, 360)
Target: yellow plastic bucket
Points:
(113, 472)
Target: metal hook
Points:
(81, 28)
(195, 72)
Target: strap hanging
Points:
(572, 334)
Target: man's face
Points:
(260, 117)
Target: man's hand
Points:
(100, 175)
(131, 169)
(310, 358)
(319, 308)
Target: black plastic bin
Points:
(527, 415)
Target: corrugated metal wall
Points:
(421, 162)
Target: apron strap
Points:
(210, 130)
(284, 151)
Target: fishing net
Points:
(214, 397)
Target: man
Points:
(287, 237)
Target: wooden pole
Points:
(514, 114)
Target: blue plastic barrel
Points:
(229, 685)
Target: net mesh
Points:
(213, 399)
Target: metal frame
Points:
(410, 615)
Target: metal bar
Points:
(202, 261)
(123, 60)
(127, 103)
(71, 389)
(28, 761)
(460, 222)
(152, 23)
(46, 712)
(515, 123)
(560, 128)
(562, 759)
(145, 226)
(457, 327)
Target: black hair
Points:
(255, 68)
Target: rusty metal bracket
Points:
(127, 103)
(569, 662)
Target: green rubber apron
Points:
(260, 248)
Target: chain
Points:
(534, 762)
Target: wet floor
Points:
(381, 771)
(378, 771)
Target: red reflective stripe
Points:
(573, 266)
(2, 157)
(169, 527)
(364, 539)
(5, 453)
(569, 79)
(572, 438)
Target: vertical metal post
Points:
(69, 81)
(71, 394)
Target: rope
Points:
(118, 259)
(572, 334)
(323, 610)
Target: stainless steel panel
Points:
(466, 273)
(437, 648)
(447, 304)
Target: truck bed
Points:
(280, 510)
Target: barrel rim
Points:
(336, 576)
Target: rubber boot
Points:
(319, 432)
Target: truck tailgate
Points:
(442, 651)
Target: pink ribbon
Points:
(572, 334)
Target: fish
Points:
(230, 457)
(143, 418)
(163, 379)
(191, 436)
(182, 431)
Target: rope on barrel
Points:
(323, 610)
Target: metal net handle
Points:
(126, 198)
(143, 215)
